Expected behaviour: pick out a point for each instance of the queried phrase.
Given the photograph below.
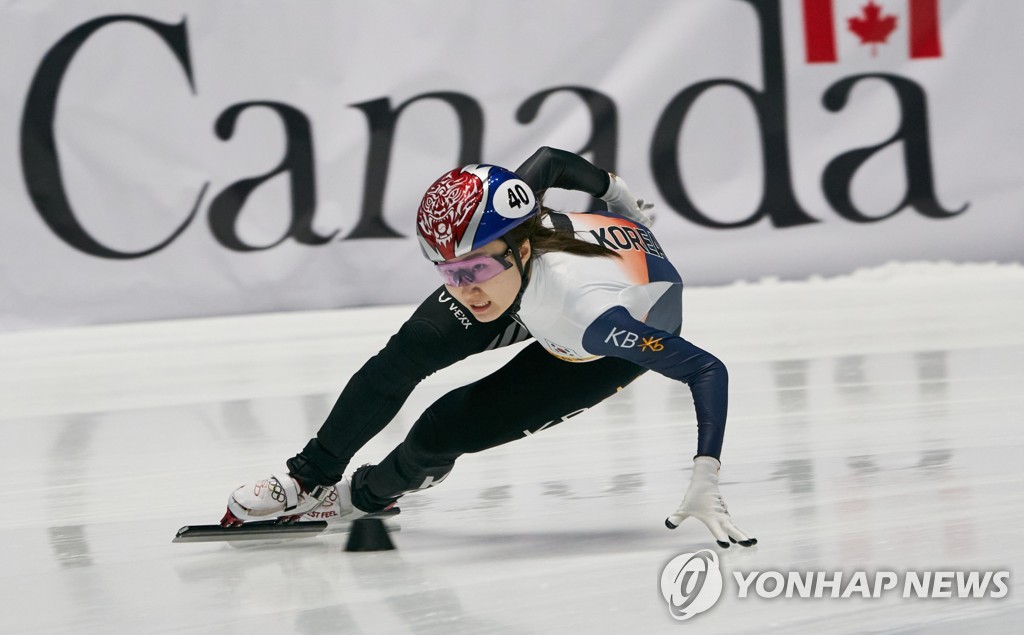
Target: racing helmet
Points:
(469, 207)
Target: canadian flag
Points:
(873, 23)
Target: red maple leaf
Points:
(873, 28)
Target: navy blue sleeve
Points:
(616, 333)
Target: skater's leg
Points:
(440, 333)
(533, 391)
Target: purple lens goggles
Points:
(473, 270)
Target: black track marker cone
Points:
(368, 534)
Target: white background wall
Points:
(135, 144)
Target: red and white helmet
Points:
(469, 207)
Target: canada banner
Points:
(183, 158)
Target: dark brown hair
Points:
(546, 239)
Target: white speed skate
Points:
(277, 507)
(281, 498)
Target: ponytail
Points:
(548, 240)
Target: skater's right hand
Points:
(704, 502)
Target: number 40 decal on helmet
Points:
(513, 199)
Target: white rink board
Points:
(158, 101)
(874, 425)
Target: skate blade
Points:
(267, 530)
(261, 530)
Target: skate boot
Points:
(337, 507)
(282, 498)
(362, 499)
(279, 497)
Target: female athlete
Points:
(595, 291)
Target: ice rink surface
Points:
(875, 425)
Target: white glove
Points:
(622, 202)
(704, 502)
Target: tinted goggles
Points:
(473, 270)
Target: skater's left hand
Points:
(704, 502)
(624, 203)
